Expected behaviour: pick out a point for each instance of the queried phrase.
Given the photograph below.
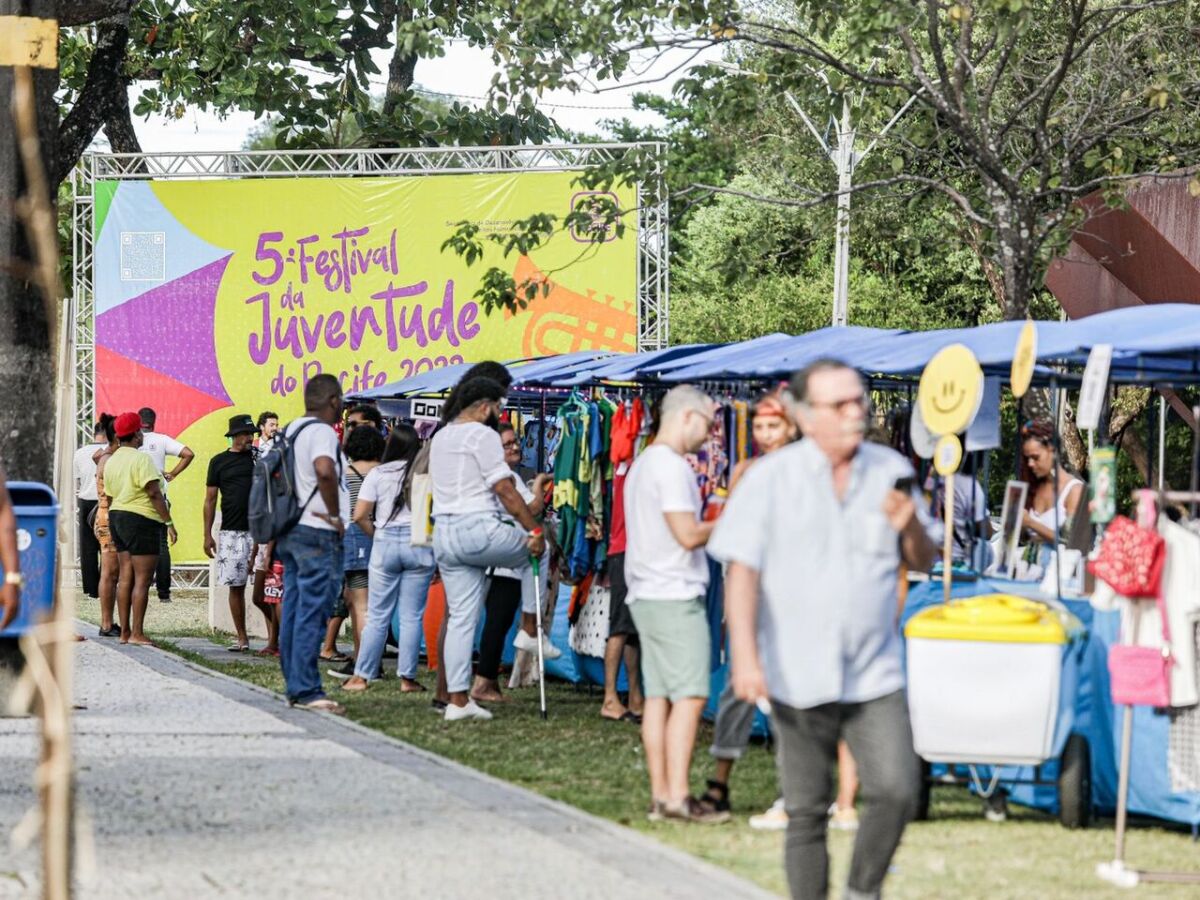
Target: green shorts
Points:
(675, 647)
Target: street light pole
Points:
(844, 160)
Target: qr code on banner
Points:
(143, 255)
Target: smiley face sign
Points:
(951, 390)
(947, 455)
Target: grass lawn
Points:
(597, 766)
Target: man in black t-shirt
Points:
(230, 474)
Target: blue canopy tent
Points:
(1156, 344)
(1150, 344)
(631, 367)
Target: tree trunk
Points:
(400, 69)
(104, 94)
(1015, 250)
(26, 357)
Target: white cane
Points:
(537, 593)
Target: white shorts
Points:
(233, 557)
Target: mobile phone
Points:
(905, 485)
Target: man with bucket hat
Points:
(229, 475)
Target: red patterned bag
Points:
(1131, 559)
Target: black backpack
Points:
(274, 507)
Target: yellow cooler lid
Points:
(1003, 618)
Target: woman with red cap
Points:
(137, 514)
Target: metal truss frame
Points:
(653, 237)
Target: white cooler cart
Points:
(992, 682)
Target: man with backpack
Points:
(300, 499)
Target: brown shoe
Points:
(692, 810)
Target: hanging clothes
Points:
(1183, 738)
(1181, 598)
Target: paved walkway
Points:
(199, 786)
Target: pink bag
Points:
(1141, 676)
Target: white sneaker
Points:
(774, 819)
(525, 641)
(471, 711)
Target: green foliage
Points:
(753, 268)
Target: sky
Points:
(464, 72)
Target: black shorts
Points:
(135, 534)
(620, 622)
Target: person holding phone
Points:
(813, 538)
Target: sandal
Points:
(266, 651)
(338, 657)
(239, 648)
(323, 704)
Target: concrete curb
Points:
(642, 857)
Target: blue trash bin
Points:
(37, 540)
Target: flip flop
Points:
(323, 704)
(265, 652)
(338, 657)
(239, 648)
(628, 716)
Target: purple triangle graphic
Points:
(170, 329)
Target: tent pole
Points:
(1162, 441)
(542, 437)
(1056, 408)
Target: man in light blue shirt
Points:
(814, 537)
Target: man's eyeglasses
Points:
(841, 407)
(511, 445)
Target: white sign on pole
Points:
(1095, 384)
(427, 409)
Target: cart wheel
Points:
(1075, 783)
(923, 792)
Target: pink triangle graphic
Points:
(170, 329)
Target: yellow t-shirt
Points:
(126, 475)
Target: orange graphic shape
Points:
(564, 321)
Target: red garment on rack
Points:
(616, 532)
(626, 424)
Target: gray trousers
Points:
(880, 739)
(732, 725)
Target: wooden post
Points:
(948, 542)
(31, 298)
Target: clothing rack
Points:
(1116, 871)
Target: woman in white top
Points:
(481, 523)
(399, 573)
(1047, 510)
(510, 589)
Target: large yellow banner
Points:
(223, 297)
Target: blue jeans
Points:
(466, 546)
(399, 576)
(312, 580)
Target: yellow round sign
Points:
(951, 390)
(1024, 358)
(947, 455)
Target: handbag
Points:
(1130, 559)
(421, 503)
(1141, 676)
